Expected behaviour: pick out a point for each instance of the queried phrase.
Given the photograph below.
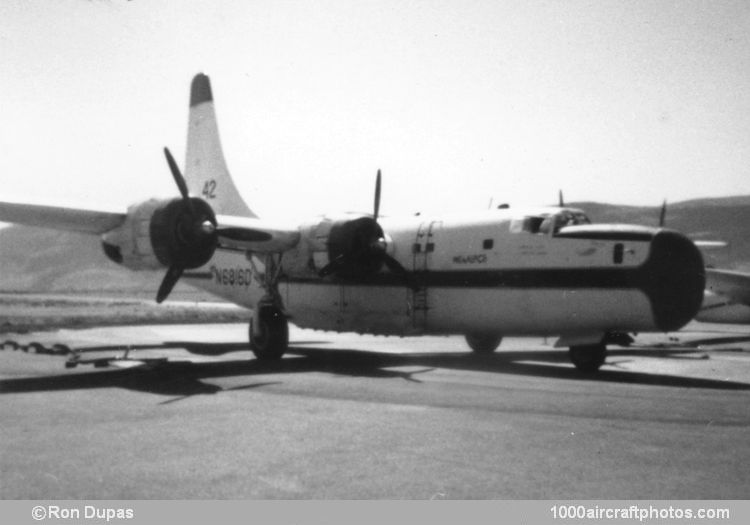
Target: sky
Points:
(457, 102)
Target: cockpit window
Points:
(572, 218)
(526, 224)
(547, 223)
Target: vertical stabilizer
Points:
(206, 171)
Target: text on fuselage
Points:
(479, 258)
(232, 276)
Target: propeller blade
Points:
(170, 279)
(560, 201)
(393, 265)
(180, 180)
(377, 197)
(329, 268)
(398, 269)
(663, 214)
(326, 270)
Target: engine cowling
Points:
(352, 249)
(356, 248)
(161, 233)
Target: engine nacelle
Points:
(350, 247)
(160, 233)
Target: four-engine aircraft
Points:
(545, 271)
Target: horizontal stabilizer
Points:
(67, 218)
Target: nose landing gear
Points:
(588, 358)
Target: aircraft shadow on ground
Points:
(185, 379)
(197, 348)
(694, 343)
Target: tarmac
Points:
(344, 416)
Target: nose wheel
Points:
(483, 343)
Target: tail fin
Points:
(206, 171)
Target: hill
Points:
(46, 261)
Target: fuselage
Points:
(545, 271)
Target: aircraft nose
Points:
(674, 279)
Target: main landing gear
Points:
(269, 328)
(269, 333)
(588, 358)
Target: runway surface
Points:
(346, 416)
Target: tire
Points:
(36, 348)
(269, 334)
(483, 344)
(588, 358)
(10, 345)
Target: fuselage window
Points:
(487, 244)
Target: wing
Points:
(255, 235)
(234, 233)
(68, 218)
(731, 284)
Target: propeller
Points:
(560, 201)
(663, 214)
(363, 246)
(377, 198)
(380, 244)
(192, 238)
(170, 279)
(180, 181)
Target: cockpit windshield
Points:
(548, 223)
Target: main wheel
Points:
(588, 358)
(483, 343)
(269, 333)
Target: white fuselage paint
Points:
(444, 247)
